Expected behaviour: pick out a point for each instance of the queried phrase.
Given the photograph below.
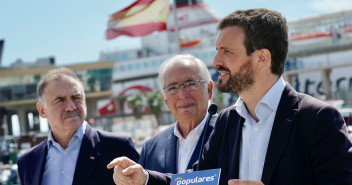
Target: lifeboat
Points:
(189, 43)
(311, 40)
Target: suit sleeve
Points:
(130, 150)
(158, 178)
(20, 174)
(142, 157)
(331, 152)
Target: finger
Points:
(119, 182)
(136, 173)
(123, 162)
(122, 182)
(131, 170)
(113, 163)
(118, 177)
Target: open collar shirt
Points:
(61, 163)
(256, 135)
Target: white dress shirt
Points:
(256, 135)
(186, 146)
(61, 163)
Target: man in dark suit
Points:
(272, 134)
(74, 152)
(186, 87)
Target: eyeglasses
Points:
(189, 85)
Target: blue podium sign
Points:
(205, 177)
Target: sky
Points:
(74, 31)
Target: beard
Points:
(237, 82)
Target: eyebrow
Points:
(77, 94)
(58, 98)
(225, 48)
(62, 97)
(174, 83)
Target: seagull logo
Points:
(179, 178)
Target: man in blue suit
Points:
(74, 152)
(186, 87)
(272, 135)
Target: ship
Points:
(315, 43)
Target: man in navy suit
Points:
(272, 134)
(74, 152)
(186, 87)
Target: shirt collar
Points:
(273, 96)
(79, 134)
(198, 129)
(270, 100)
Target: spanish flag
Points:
(139, 19)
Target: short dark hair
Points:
(53, 75)
(263, 28)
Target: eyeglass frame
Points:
(184, 86)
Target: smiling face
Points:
(187, 105)
(233, 63)
(63, 104)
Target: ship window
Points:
(122, 68)
(154, 63)
(138, 66)
(124, 57)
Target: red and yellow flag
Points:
(139, 19)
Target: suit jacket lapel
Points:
(284, 121)
(171, 153)
(39, 165)
(235, 135)
(88, 157)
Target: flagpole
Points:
(176, 28)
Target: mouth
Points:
(223, 75)
(185, 106)
(70, 116)
(223, 72)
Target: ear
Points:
(264, 58)
(210, 89)
(41, 110)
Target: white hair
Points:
(203, 70)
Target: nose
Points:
(217, 60)
(182, 92)
(71, 106)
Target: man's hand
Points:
(127, 172)
(244, 182)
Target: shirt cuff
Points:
(146, 181)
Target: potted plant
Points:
(135, 102)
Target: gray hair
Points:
(204, 72)
(54, 75)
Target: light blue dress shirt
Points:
(61, 163)
(256, 135)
